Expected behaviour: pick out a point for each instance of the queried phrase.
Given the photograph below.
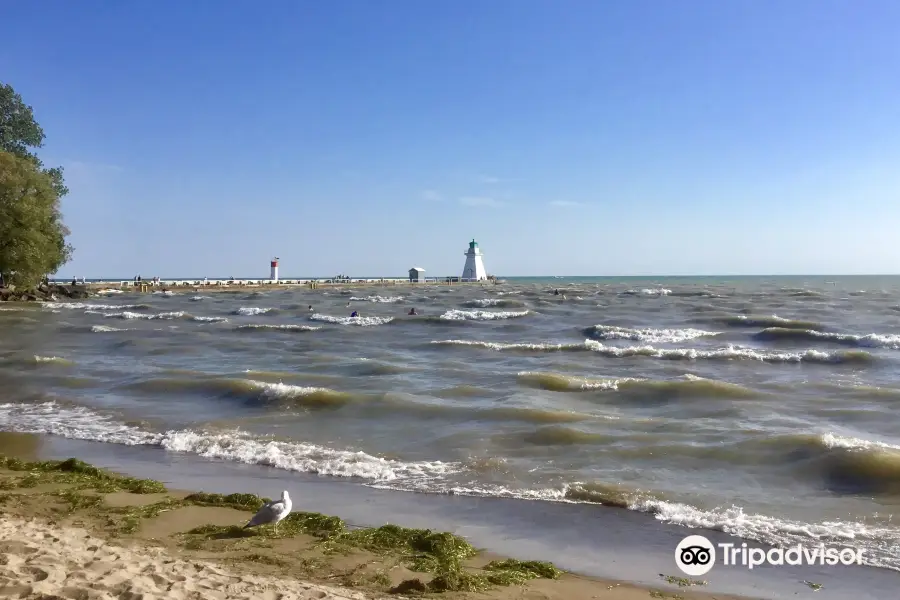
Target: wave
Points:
(498, 302)
(199, 298)
(165, 293)
(558, 435)
(93, 307)
(209, 319)
(128, 315)
(556, 382)
(772, 321)
(661, 291)
(81, 423)
(648, 334)
(731, 352)
(871, 340)
(106, 329)
(726, 353)
(689, 385)
(843, 464)
(358, 321)
(56, 360)
(378, 299)
(523, 347)
(248, 389)
(252, 311)
(267, 327)
(482, 315)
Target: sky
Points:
(569, 137)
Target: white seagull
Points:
(272, 512)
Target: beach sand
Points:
(72, 532)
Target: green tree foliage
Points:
(32, 234)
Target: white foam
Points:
(199, 298)
(89, 306)
(832, 440)
(498, 346)
(649, 334)
(106, 329)
(109, 292)
(51, 359)
(485, 302)
(210, 319)
(728, 352)
(128, 315)
(660, 291)
(482, 315)
(165, 293)
(267, 327)
(871, 340)
(378, 299)
(250, 311)
(359, 321)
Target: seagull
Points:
(272, 512)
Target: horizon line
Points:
(681, 276)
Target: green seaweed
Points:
(682, 581)
(512, 571)
(76, 500)
(813, 586)
(80, 474)
(250, 502)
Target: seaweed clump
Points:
(236, 501)
(79, 474)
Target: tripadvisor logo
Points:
(695, 555)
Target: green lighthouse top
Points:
(473, 244)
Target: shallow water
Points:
(759, 407)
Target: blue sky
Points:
(569, 137)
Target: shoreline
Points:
(196, 540)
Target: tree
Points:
(32, 234)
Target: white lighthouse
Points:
(273, 275)
(474, 269)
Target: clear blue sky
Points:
(569, 137)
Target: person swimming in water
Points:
(354, 314)
(310, 308)
(412, 312)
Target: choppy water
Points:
(761, 407)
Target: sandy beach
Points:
(69, 530)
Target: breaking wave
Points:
(247, 389)
(237, 446)
(689, 385)
(378, 299)
(871, 340)
(726, 353)
(128, 315)
(482, 315)
(358, 321)
(648, 334)
(266, 327)
(251, 311)
(498, 302)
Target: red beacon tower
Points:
(273, 275)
